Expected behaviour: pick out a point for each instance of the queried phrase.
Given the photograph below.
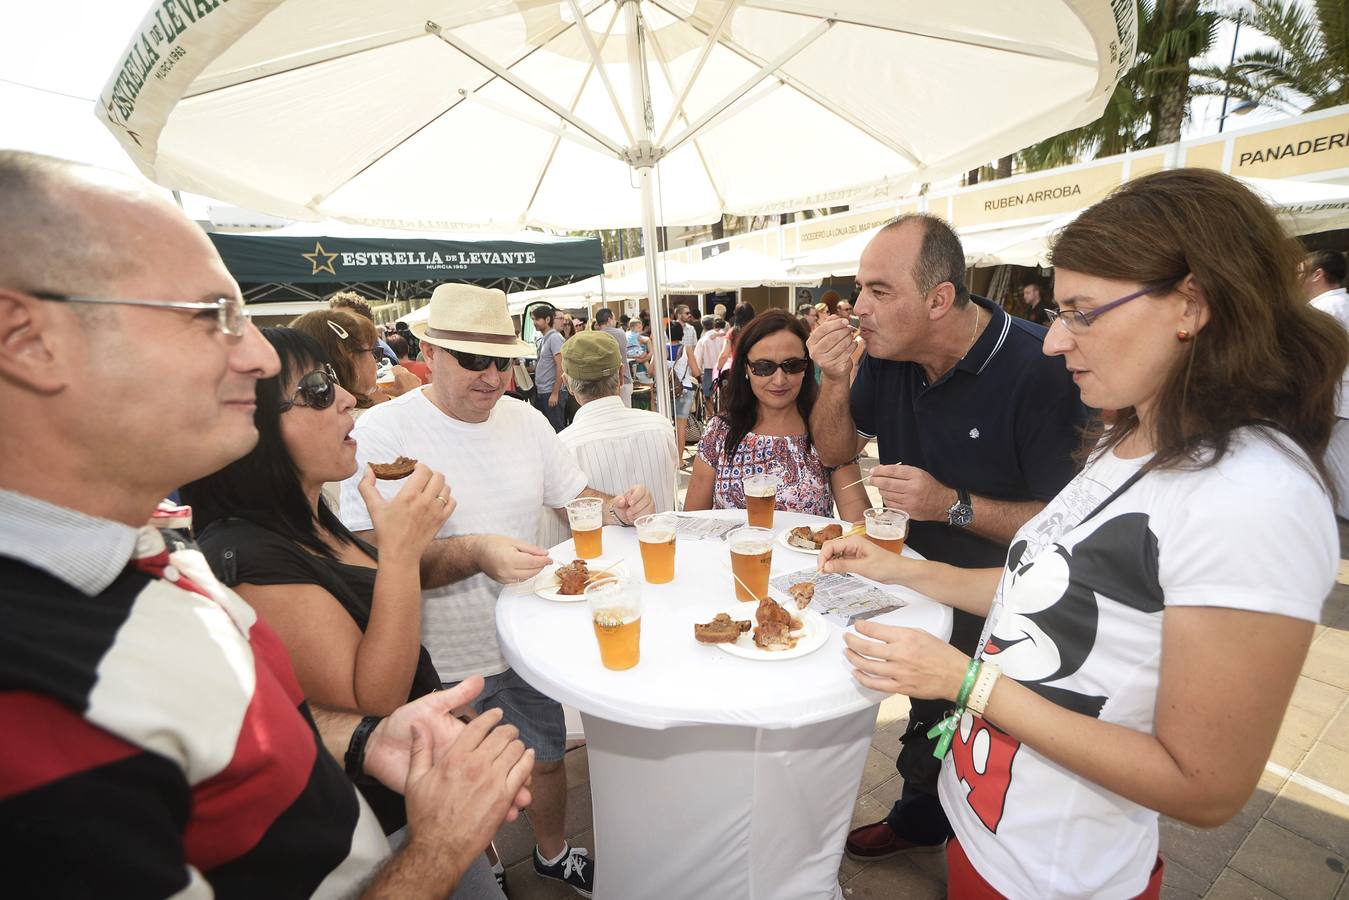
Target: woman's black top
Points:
(242, 552)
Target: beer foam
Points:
(752, 548)
(885, 532)
(660, 537)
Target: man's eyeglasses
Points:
(766, 367)
(229, 311)
(478, 362)
(1077, 321)
(318, 389)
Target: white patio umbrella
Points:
(453, 114)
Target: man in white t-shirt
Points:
(506, 465)
(1323, 274)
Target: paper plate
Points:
(782, 538)
(548, 577)
(809, 639)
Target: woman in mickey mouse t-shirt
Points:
(1145, 636)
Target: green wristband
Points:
(945, 730)
(971, 676)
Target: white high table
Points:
(711, 776)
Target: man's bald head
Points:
(58, 225)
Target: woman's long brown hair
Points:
(1265, 357)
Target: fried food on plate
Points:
(721, 630)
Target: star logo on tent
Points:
(326, 265)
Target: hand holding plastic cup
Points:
(616, 611)
(586, 517)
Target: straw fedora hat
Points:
(472, 319)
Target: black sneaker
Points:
(574, 869)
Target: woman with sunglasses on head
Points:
(1146, 633)
(769, 396)
(349, 615)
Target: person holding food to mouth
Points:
(349, 615)
(765, 430)
(1146, 631)
(975, 430)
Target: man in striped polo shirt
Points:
(157, 743)
(613, 445)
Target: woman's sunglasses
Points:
(766, 367)
(318, 389)
(478, 362)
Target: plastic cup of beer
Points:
(887, 528)
(656, 537)
(761, 495)
(751, 558)
(586, 517)
(616, 611)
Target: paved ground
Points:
(1291, 840)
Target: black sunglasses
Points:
(318, 388)
(765, 367)
(478, 362)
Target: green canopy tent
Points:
(307, 262)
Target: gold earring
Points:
(1182, 335)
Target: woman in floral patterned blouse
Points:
(764, 430)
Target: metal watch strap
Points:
(355, 758)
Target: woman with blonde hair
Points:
(1145, 635)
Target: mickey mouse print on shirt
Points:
(1061, 580)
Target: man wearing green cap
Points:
(611, 443)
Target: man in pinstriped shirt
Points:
(615, 446)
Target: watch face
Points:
(960, 515)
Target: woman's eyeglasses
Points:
(1077, 321)
(766, 367)
(318, 389)
(478, 362)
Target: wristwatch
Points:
(961, 514)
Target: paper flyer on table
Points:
(840, 598)
(700, 528)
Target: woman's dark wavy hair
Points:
(264, 486)
(742, 407)
(1265, 357)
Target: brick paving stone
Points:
(878, 769)
(1328, 659)
(1317, 697)
(1317, 818)
(878, 882)
(1289, 865)
(1204, 851)
(1180, 883)
(1337, 732)
(1233, 885)
(1296, 735)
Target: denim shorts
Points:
(539, 718)
(708, 381)
(683, 403)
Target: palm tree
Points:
(1150, 103)
(1308, 69)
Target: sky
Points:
(56, 56)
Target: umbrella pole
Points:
(642, 158)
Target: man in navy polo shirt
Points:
(976, 429)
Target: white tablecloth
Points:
(711, 776)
